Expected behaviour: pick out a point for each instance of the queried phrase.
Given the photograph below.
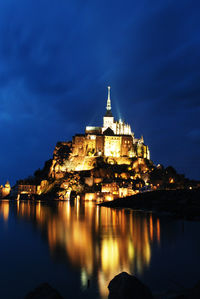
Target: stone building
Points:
(114, 139)
(27, 189)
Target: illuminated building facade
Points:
(114, 139)
(5, 190)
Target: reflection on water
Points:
(4, 209)
(101, 242)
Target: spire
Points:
(108, 107)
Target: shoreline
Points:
(181, 203)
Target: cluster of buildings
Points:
(104, 163)
(114, 142)
(111, 190)
(114, 139)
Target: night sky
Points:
(58, 57)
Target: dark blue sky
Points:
(57, 58)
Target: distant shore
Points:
(181, 203)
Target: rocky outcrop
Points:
(125, 286)
(44, 291)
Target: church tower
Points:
(108, 107)
(108, 120)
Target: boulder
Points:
(126, 286)
(44, 291)
(193, 293)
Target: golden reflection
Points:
(158, 230)
(151, 227)
(97, 240)
(109, 254)
(4, 209)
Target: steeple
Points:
(108, 107)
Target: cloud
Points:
(57, 57)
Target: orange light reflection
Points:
(95, 239)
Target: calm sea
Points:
(78, 248)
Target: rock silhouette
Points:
(125, 286)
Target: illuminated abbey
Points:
(114, 142)
(114, 139)
(102, 164)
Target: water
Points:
(79, 248)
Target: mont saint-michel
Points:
(103, 163)
(99, 155)
(68, 203)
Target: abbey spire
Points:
(108, 107)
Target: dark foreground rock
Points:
(193, 293)
(122, 286)
(44, 291)
(125, 286)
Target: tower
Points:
(108, 107)
(108, 120)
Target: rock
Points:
(193, 293)
(125, 286)
(44, 291)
